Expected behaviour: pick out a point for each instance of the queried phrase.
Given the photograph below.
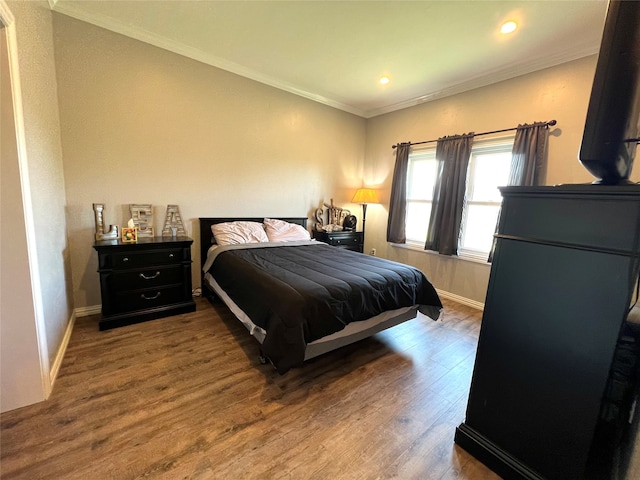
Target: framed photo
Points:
(129, 234)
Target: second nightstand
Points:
(349, 240)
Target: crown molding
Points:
(498, 75)
(196, 54)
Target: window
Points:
(421, 178)
(488, 169)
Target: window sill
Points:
(417, 248)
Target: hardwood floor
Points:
(186, 397)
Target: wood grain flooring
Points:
(185, 397)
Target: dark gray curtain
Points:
(452, 155)
(528, 160)
(398, 202)
(528, 157)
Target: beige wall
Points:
(43, 181)
(560, 93)
(144, 125)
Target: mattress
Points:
(351, 333)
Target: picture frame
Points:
(129, 235)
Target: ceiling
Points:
(334, 52)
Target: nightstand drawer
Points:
(347, 241)
(127, 260)
(343, 239)
(133, 300)
(147, 278)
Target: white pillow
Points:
(281, 231)
(232, 233)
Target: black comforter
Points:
(301, 293)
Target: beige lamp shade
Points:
(365, 195)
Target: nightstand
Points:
(349, 240)
(145, 280)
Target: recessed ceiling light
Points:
(384, 80)
(508, 27)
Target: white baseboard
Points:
(86, 311)
(463, 300)
(57, 363)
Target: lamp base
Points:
(364, 219)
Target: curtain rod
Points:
(550, 123)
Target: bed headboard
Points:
(206, 236)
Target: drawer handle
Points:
(171, 255)
(142, 275)
(142, 295)
(125, 259)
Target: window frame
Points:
(495, 144)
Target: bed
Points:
(302, 298)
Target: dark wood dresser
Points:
(349, 240)
(555, 375)
(144, 280)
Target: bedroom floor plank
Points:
(185, 397)
(360, 414)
